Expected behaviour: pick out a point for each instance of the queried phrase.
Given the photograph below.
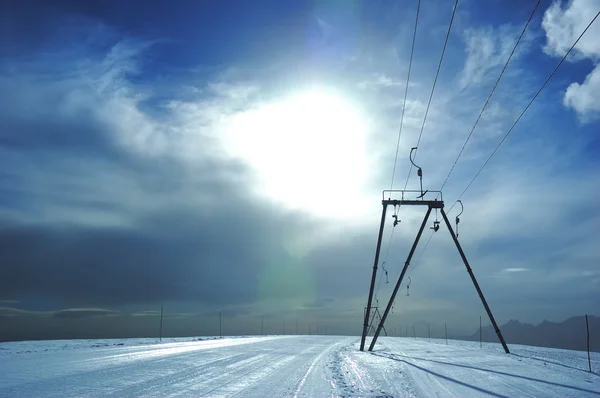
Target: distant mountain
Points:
(569, 334)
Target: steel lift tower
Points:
(430, 204)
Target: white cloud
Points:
(583, 98)
(380, 80)
(187, 132)
(487, 49)
(563, 26)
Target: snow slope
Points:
(277, 366)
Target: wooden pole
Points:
(446, 331)
(161, 323)
(429, 332)
(587, 327)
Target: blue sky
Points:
(230, 156)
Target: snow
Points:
(290, 366)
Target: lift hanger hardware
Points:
(436, 223)
(395, 216)
(419, 172)
(462, 208)
(386, 273)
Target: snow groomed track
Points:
(311, 366)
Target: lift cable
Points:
(513, 125)
(405, 95)
(526, 108)
(417, 262)
(424, 119)
(398, 146)
(490, 95)
(433, 88)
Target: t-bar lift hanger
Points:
(462, 208)
(419, 171)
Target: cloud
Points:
(77, 313)
(12, 312)
(583, 97)
(379, 81)
(68, 313)
(112, 202)
(146, 313)
(116, 191)
(507, 271)
(563, 26)
(487, 50)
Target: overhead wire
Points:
(417, 262)
(491, 93)
(433, 88)
(478, 118)
(526, 108)
(412, 50)
(398, 141)
(427, 110)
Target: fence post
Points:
(480, 337)
(446, 331)
(587, 327)
(161, 321)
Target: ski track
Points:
(295, 366)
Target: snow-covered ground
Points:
(278, 366)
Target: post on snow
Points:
(161, 323)
(587, 328)
(446, 332)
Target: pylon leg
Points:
(470, 271)
(410, 255)
(373, 277)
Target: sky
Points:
(229, 157)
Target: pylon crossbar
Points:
(405, 193)
(434, 204)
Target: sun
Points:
(308, 151)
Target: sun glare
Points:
(308, 151)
